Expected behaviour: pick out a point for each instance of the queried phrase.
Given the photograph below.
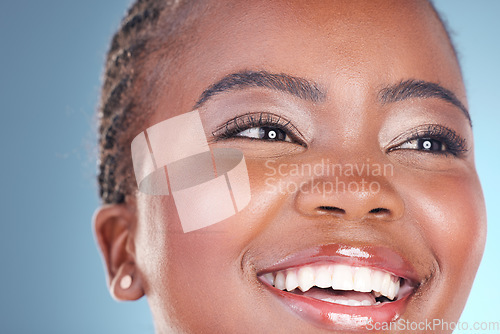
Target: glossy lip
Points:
(381, 258)
(342, 317)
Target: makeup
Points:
(342, 287)
(274, 128)
(432, 138)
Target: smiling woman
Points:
(201, 97)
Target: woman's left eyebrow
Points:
(300, 87)
(412, 88)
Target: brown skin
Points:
(205, 281)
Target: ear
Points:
(113, 230)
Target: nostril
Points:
(379, 211)
(331, 209)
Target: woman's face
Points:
(401, 199)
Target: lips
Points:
(340, 287)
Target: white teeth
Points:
(362, 279)
(306, 278)
(279, 281)
(377, 278)
(342, 277)
(354, 303)
(396, 290)
(386, 284)
(269, 277)
(391, 291)
(338, 277)
(342, 302)
(393, 288)
(323, 277)
(291, 280)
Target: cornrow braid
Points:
(121, 111)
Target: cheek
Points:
(185, 273)
(449, 211)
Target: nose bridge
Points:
(351, 190)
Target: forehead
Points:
(336, 43)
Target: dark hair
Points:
(149, 26)
(124, 105)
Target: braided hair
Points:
(125, 91)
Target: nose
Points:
(350, 198)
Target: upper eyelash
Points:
(252, 120)
(455, 144)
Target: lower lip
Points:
(340, 317)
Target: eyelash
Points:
(253, 120)
(455, 145)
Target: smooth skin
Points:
(206, 281)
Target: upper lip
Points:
(376, 257)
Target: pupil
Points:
(430, 145)
(272, 134)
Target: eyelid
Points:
(258, 119)
(456, 145)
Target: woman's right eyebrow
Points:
(300, 87)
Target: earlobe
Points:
(113, 230)
(126, 284)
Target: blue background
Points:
(51, 59)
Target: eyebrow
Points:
(311, 91)
(421, 89)
(300, 87)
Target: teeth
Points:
(306, 278)
(269, 277)
(342, 277)
(391, 291)
(377, 278)
(393, 288)
(362, 279)
(338, 277)
(323, 277)
(342, 302)
(396, 290)
(354, 303)
(279, 281)
(291, 280)
(386, 284)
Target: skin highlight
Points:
(433, 209)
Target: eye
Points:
(431, 138)
(265, 133)
(261, 126)
(425, 144)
